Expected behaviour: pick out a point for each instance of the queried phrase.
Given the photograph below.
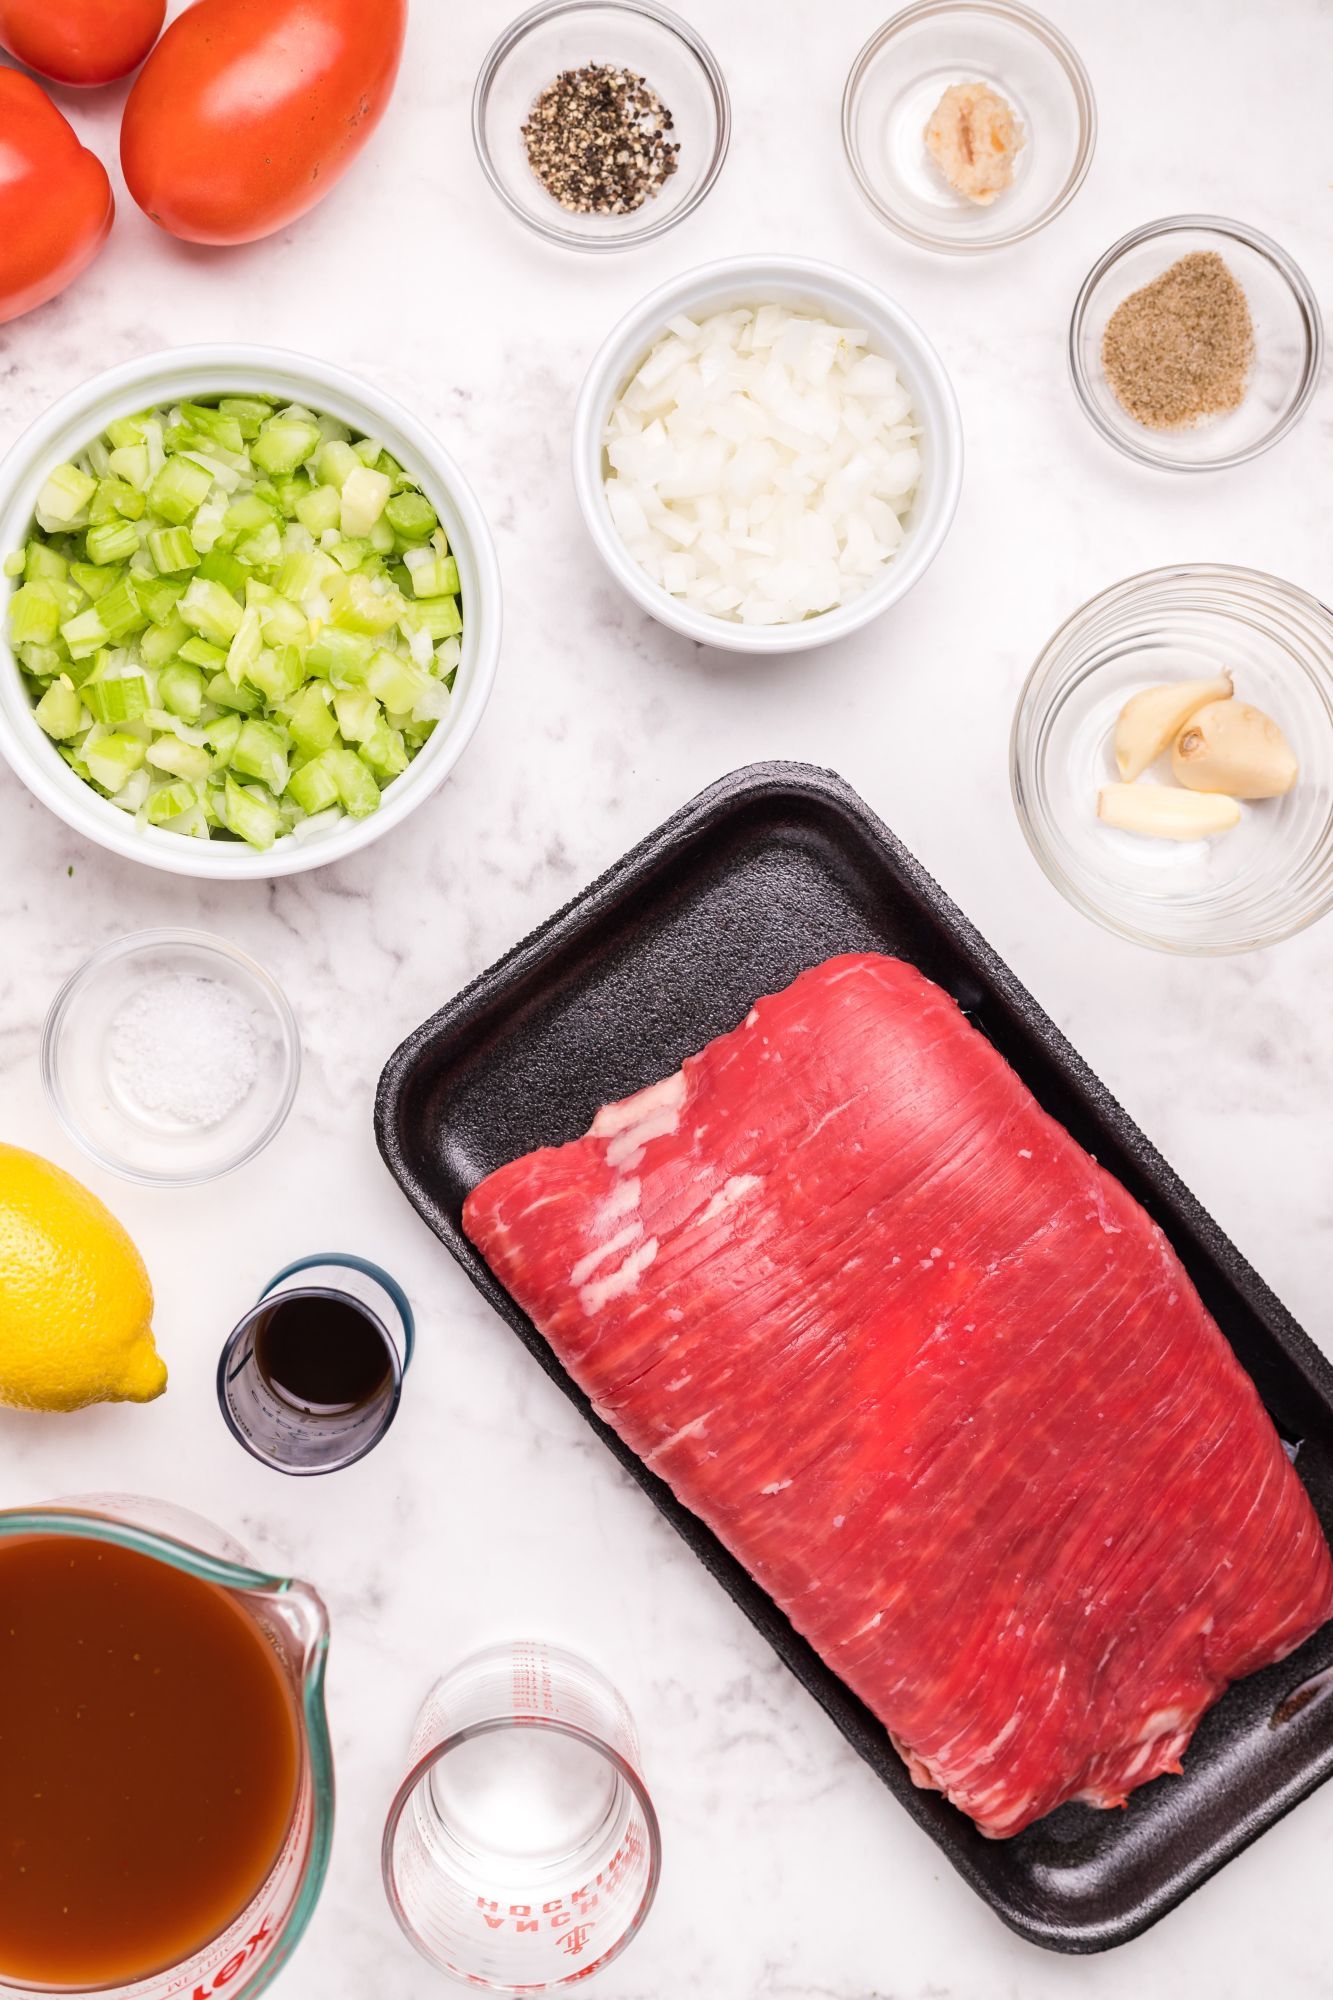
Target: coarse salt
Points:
(185, 1047)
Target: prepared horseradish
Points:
(597, 140)
(148, 1763)
(1181, 348)
(236, 620)
(974, 139)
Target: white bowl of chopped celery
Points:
(253, 611)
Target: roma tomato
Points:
(55, 199)
(248, 111)
(81, 41)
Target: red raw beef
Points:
(935, 1379)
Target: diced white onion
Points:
(762, 463)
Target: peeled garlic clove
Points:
(1166, 813)
(1228, 746)
(1149, 721)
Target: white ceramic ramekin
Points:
(821, 288)
(231, 370)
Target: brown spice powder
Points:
(1181, 348)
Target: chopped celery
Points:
(222, 693)
(209, 609)
(335, 462)
(113, 541)
(170, 801)
(223, 736)
(121, 700)
(311, 724)
(283, 444)
(59, 712)
(358, 793)
(34, 615)
(160, 643)
(396, 682)
(219, 567)
(439, 616)
(200, 653)
(171, 549)
(63, 501)
(182, 760)
(214, 425)
(112, 758)
(320, 509)
(340, 657)
(411, 516)
(178, 489)
(236, 618)
(385, 751)
(130, 462)
(158, 595)
(261, 752)
(364, 496)
(277, 673)
(359, 607)
(249, 412)
(313, 788)
(180, 690)
(91, 578)
(250, 816)
(84, 634)
(357, 711)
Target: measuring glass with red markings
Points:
(522, 1851)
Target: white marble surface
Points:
(790, 1874)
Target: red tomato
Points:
(81, 41)
(55, 199)
(248, 111)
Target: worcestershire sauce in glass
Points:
(322, 1353)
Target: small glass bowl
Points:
(901, 75)
(1269, 877)
(91, 1090)
(1288, 342)
(637, 35)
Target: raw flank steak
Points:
(935, 1379)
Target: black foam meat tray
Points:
(771, 870)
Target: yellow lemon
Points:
(75, 1301)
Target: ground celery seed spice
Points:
(597, 140)
(1181, 348)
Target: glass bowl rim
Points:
(1021, 782)
(129, 946)
(1297, 284)
(1070, 62)
(511, 38)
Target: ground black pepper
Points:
(597, 140)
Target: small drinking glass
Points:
(311, 1378)
(522, 1851)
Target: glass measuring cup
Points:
(522, 1852)
(242, 1960)
(310, 1436)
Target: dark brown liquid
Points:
(322, 1354)
(148, 1762)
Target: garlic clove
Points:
(1229, 746)
(1166, 813)
(1150, 720)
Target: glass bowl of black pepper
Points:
(1176, 372)
(600, 123)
